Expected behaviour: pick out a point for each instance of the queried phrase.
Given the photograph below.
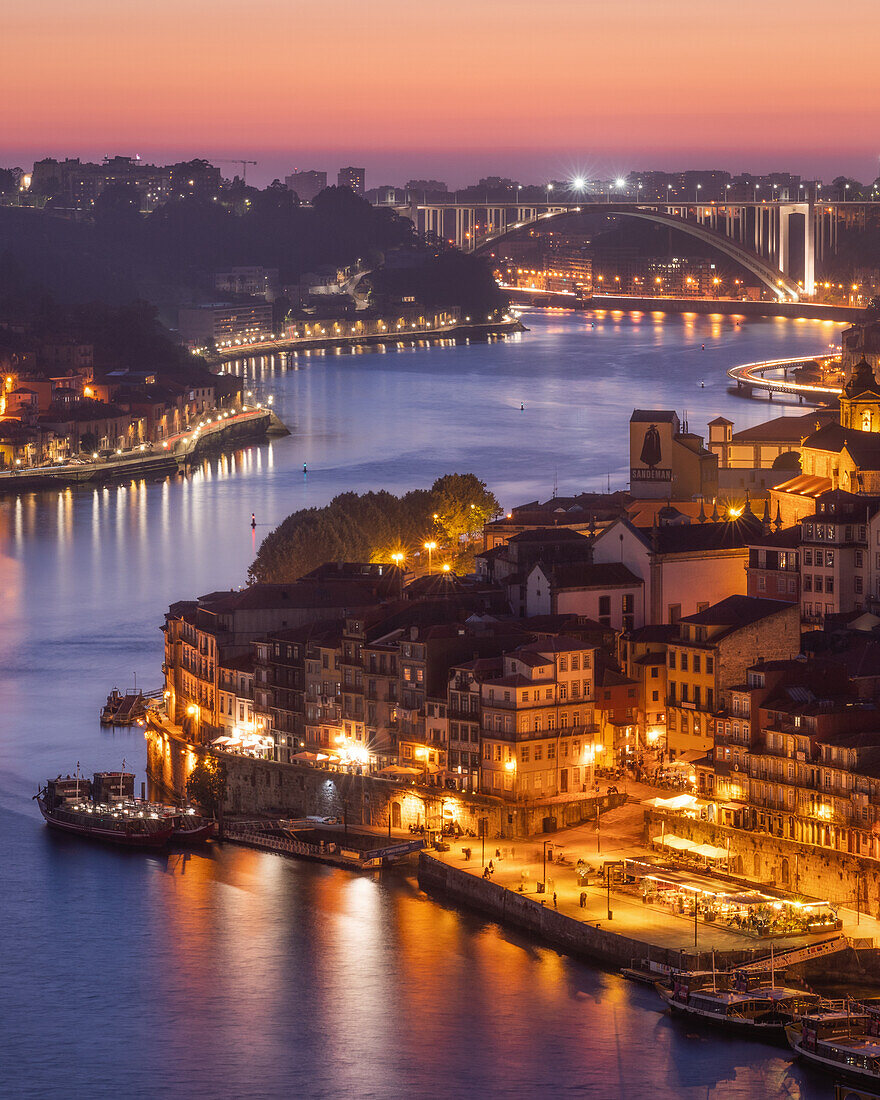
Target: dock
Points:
(305, 838)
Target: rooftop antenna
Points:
(609, 481)
(555, 481)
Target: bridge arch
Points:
(784, 287)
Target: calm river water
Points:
(240, 974)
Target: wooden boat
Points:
(66, 806)
(123, 710)
(190, 828)
(737, 1002)
(845, 1043)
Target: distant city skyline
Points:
(394, 167)
(502, 86)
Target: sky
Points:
(537, 89)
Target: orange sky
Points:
(627, 83)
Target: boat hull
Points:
(831, 1065)
(188, 837)
(154, 840)
(773, 1032)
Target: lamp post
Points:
(398, 560)
(430, 547)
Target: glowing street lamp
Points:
(430, 547)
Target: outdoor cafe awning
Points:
(668, 840)
(311, 757)
(399, 769)
(709, 851)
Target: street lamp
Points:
(430, 547)
(422, 754)
(697, 192)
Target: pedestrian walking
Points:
(583, 899)
(554, 899)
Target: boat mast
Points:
(772, 968)
(121, 774)
(714, 990)
(77, 781)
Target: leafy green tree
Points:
(462, 504)
(373, 526)
(206, 785)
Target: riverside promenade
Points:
(636, 933)
(214, 431)
(331, 335)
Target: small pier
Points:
(323, 842)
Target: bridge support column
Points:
(809, 250)
(784, 244)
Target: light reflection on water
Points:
(233, 973)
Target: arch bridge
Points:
(756, 235)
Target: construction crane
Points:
(243, 163)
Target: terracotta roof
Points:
(550, 534)
(804, 485)
(738, 611)
(593, 575)
(692, 537)
(652, 416)
(785, 429)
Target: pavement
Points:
(620, 833)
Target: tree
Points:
(88, 442)
(462, 504)
(206, 785)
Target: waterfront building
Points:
(235, 696)
(538, 726)
(200, 635)
(463, 713)
(714, 649)
(217, 322)
(618, 704)
(797, 756)
(642, 657)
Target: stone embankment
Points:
(459, 331)
(155, 459)
(265, 787)
(840, 878)
(731, 306)
(595, 940)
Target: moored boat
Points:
(66, 805)
(845, 1043)
(737, 1002)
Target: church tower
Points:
(860, 400)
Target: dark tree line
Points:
(373, 526)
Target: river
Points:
(241, 974)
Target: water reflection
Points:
(233, 973)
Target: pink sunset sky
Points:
(452, 90)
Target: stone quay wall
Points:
(264, 787)
(566, 934)
(837, 877)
